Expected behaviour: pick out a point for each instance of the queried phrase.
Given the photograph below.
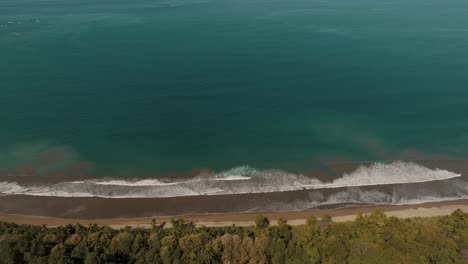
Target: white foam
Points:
(148, 182)
(394, 173)
(238, 180)
(234, 178)
(11, 188)
(77, 182)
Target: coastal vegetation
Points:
(373, 238)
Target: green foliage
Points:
(372, 238)
(261, 222)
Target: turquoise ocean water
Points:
(138, 88)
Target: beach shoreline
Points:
(247, 219)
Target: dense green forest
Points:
(373, 238)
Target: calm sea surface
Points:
(142, 87)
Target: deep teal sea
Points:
(153, 87)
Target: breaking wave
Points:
(450, 190)
(239, 180)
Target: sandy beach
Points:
(411, 199)
(247, 219)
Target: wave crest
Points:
(239, 180)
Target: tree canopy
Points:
(373, 238)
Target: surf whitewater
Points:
(239, 180)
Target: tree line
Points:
(373, 238)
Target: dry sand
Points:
(247, 219)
